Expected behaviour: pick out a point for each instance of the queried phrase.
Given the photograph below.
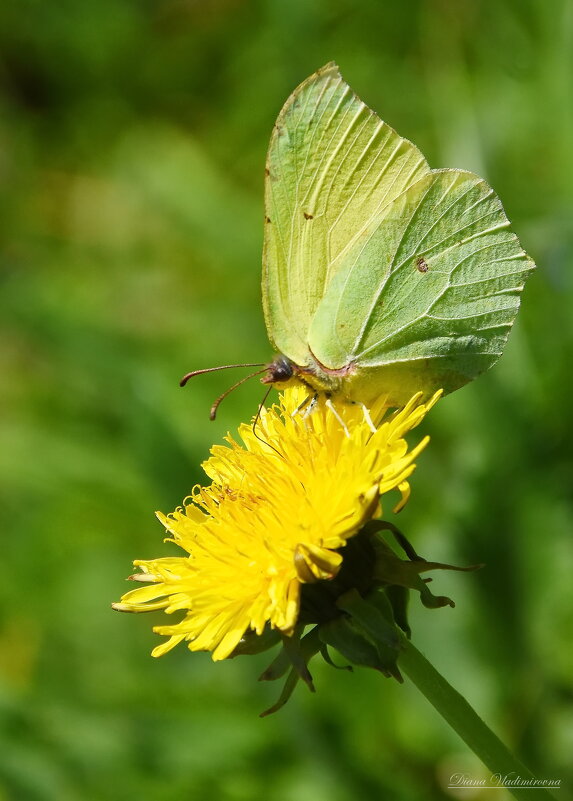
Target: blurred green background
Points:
(132, 147)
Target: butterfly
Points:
(380, 275)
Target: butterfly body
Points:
(360, 384)
(381, 276)
(312, 373)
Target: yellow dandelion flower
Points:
(278, 511)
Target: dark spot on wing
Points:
(267, 172)
(422, 264)
(267, 219)
(308, 216)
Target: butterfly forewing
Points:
(333, 168)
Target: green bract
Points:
(381, 276)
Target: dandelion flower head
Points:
(281, 505)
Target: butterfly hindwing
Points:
(435, 282)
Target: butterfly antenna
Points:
(258, 417)
(215, 406)
(186, 378)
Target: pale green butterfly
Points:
(380, 275)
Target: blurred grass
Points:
(132, 144)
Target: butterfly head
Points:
(279, 370)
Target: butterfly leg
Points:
(330, 405)
(310, 405)
(300, 407)
(367, 417)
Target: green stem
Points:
(466, 722)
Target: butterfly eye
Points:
(279, 370)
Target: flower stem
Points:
(468, 725)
